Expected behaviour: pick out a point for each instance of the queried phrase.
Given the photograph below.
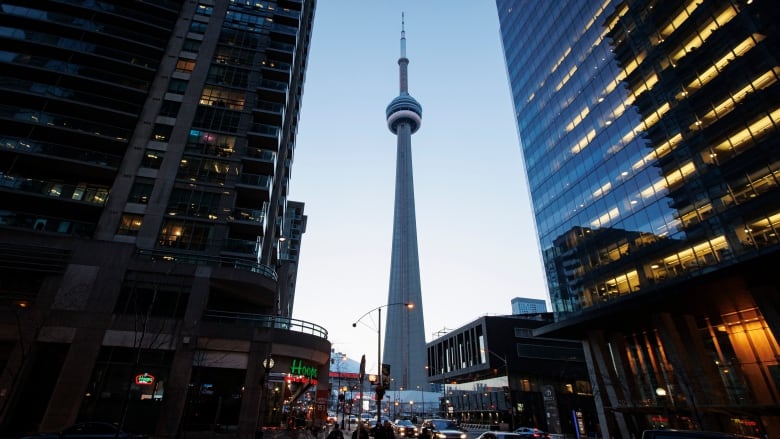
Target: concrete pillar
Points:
(65, 401)
(177, 385)
(606, 392)
(255, 384)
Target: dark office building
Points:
(496, 374)
(650, 138)
(148, 251)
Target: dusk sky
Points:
(477, 240)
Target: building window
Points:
(152, 298)
(161, 133)
(194, 203)
(185, 65)
(220, 97)
(177, 86)
(202, 142)
(170, 108)
(152, 159)
(130, 224)
(215, 118)
(141, 192)
(184, 235)
(204, 10)
(198, 28)
(191, 45)
(205, 170)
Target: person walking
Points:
(384, 431)
(361, 432)
(425, 433)
(336, 433)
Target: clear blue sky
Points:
(477, 241)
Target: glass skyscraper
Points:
(650, 137)
(148, 249)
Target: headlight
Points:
(463, 436)
(441, 435)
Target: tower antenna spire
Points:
(403, 37)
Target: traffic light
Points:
(380, 392)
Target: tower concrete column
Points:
(404, 347)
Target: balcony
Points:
(225, 262)
(265, 321)
(246, 222)
(59, 151)
(88, 195)
(276, 70)
(253, 189)
(247, 215)
(47, 224)
(271, 113)
(272, 91)
(264, 136)
(257, 160)
(282, 51)
(242, 246)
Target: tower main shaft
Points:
(404, 347)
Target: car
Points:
(684, 434)
(352, 419)
(405, 428)
(444, 429)
(332, 418)
(87, 430)
(531, 432)
(499, 435)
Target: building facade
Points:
(404, 346)
(496, 373)
(523, 305)
(148, 251)
(650, 136)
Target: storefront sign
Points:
(144, 379)
(298, 368)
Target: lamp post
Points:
(508, 384)
(380, 387)
(661, 393)
(422, 401)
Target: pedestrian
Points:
(425, 433)
(361, 432)
(384, 431)
(336, 433)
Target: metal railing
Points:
(218, 261)
(265, 321)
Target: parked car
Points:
(499, 435)
(532, 432)
(88, 430)
(405, 428)
(444, 429)
(685, 434)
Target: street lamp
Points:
(422, 401)
(508, 384)
(380, 387)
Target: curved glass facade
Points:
(650, 136)
(648, 130)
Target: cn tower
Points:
(404, 348)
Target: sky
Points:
(476, 235)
